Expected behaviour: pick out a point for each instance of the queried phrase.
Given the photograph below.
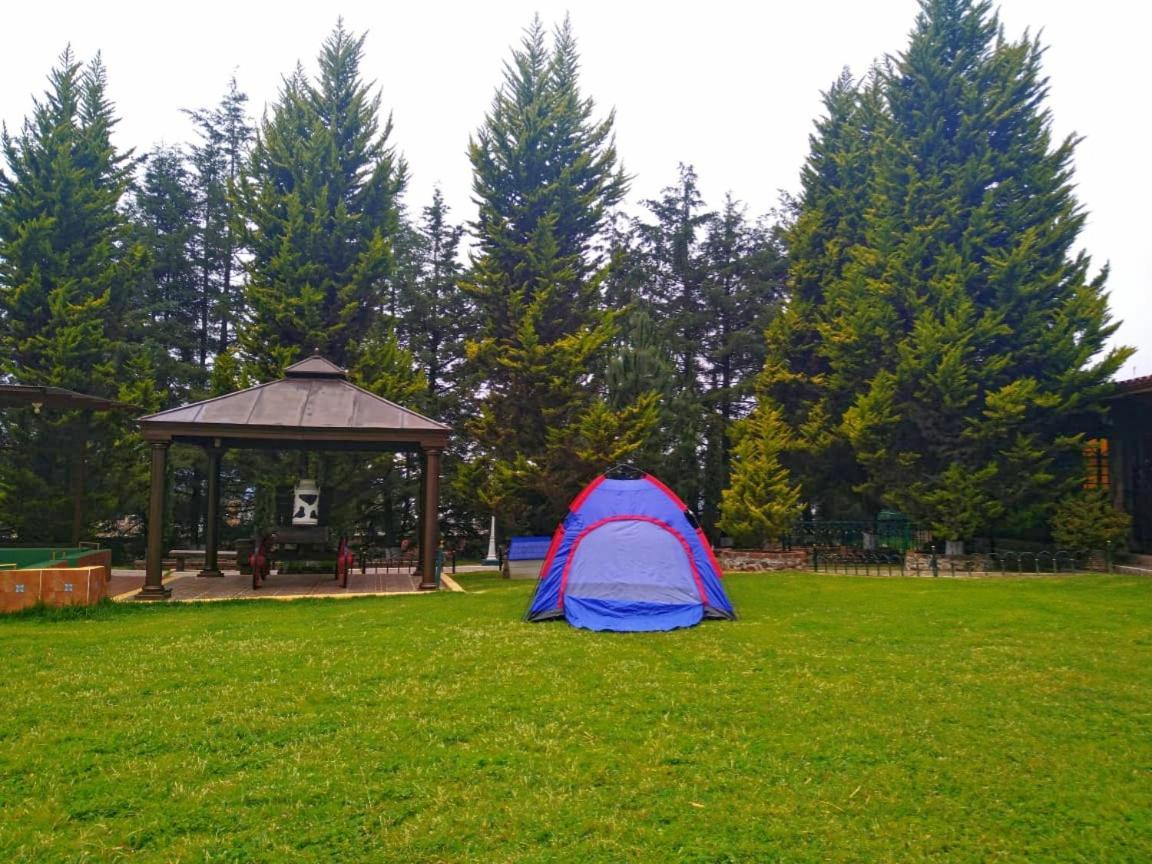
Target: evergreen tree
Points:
(807, 373)
(68, 270)
(164, 213)
(641, 362)
(387, 369)
(744, 268)
(1088, 519)
(641, 367)
(434, 318)
(713, 281)
(762, 502)
(994, 332)
(320, 197)
(674, 272)
(668, 253)
(947, 330)
(434, 315)
(217, 161)
(744, 281)
(545, 179)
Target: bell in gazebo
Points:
(306, 506)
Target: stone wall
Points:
(749, 561)
(920, 564)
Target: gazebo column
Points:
(154, 575)
(430, 518)
(212, 518)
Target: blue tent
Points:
(629, 556)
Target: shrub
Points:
(1089, 520)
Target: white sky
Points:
(730, 87)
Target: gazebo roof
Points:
(313, 405)
(38, 396)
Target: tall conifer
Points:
(545, 178)
(320, 197)
(217, 160)
(801, 374)
(943, 332)
(69, 268)
(993, 335)
(164, 212)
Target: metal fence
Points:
(861, 563)
(879, 534)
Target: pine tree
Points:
(674, 272)
(387, 369)
(669, 259)
(217, 161)
(744, 267)
(545, 179)
(713, 281)
(944, 331)
(434, 316)
(68, 270)
(807, 373)
(641, 367)
(164, 212)
(762, 502)
(1088, 519)
(320, 196)
(994, 334)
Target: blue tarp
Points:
(528, 548)
(629, 556)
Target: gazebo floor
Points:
(188, 586)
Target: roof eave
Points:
(161, 432)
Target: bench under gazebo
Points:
(313, 407)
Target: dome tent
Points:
(629, 556)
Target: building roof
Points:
(1134, 385)
(313, 405)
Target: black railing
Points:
(876, 535)
(862, 562)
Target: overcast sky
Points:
(729, 87)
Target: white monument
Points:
(492, 560)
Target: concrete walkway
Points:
(187, 586)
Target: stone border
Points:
(753, 561)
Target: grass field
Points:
(840, 719)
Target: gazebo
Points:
(313, 407)
(40, 396)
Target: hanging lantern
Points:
(306, 506)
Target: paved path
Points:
(234, 586)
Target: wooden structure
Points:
(1129, 456)
(314, 407)
(40, 396)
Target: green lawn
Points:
(840, 719)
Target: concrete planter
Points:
(64, 586)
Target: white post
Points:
(492, 559)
